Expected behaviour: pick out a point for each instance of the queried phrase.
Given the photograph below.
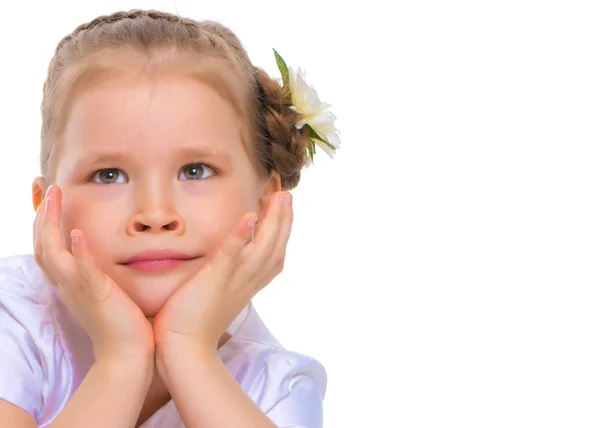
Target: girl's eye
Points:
(195, 171)
(110, 176)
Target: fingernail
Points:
(48, 204)
(252, 222)
(74, 238)
(48, 191)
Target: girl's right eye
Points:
(109, 176)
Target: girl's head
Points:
(162, 135)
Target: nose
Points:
(155, 214)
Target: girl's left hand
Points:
(200, 311)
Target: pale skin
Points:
(157, 165)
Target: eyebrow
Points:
(203, 153)
(198, 154)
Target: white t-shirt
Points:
(45, 354)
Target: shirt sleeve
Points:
(20, 362)
(290, 390)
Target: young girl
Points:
(161, 211)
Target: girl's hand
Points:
(200, 311)
(116, 326)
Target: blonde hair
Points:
(154, 39)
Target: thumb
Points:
(225, 260)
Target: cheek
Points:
(73, 217)
(94, 220)
(218, 217)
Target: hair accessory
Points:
(316, 117)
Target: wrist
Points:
(133, 354)
(129, 370)
(181, 351)
(173, 345)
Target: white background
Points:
(445, 265)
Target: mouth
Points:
(157, 260)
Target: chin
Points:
(151, 309)
(151, 299)
(151, 292)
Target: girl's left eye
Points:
(195, 171)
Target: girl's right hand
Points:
(115, 324)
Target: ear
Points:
(270, 185)
(38, 191)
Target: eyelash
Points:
(198, 165)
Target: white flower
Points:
(314, 113)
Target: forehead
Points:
(123, 113)
(127, 101)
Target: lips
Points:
(157, 260)
(156, 255)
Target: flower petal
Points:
(315, 114)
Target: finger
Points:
(258, 254)
(37, 240)
(277, 260)
(268, 214)
(227, 256)
(54, 254)
(285, 231)
(268, 235)
(91, 278)
(37, 227)
(275, 265)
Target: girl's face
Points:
(155, 165)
